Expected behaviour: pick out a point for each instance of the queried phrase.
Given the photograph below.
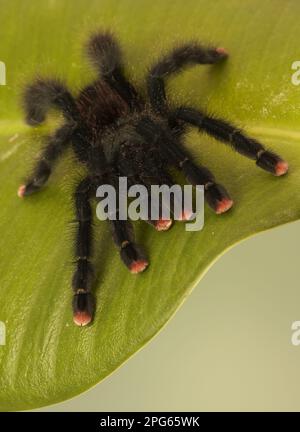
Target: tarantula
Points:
(114, 132)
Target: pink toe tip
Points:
(281, 168)
(222, 51)
(224, 205)
(163, 224)
(82, 318)
(186, 215)
(21, 191)
(138, 266)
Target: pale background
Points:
(229, 346)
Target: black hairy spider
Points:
(113, 132)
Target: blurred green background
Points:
(229, 346)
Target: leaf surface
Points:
(46, 358)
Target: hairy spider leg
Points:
(83, 302)
(148, 180)
(215, 194)
(123, 234)
(55, 146)
(230, 134)
(131, 254)
(189, 54)
(38, 98)
(44, 94)
(105, 54)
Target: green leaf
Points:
(46, 358)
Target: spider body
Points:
(114, 133)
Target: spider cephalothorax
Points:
(114, 133)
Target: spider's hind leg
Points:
(105, 54)
(55, 146)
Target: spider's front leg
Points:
(161, 221)
(55, 146)
(83, 303)
(215, 194)
(131, 254)
(230, 134)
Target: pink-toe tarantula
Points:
(114, 133)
